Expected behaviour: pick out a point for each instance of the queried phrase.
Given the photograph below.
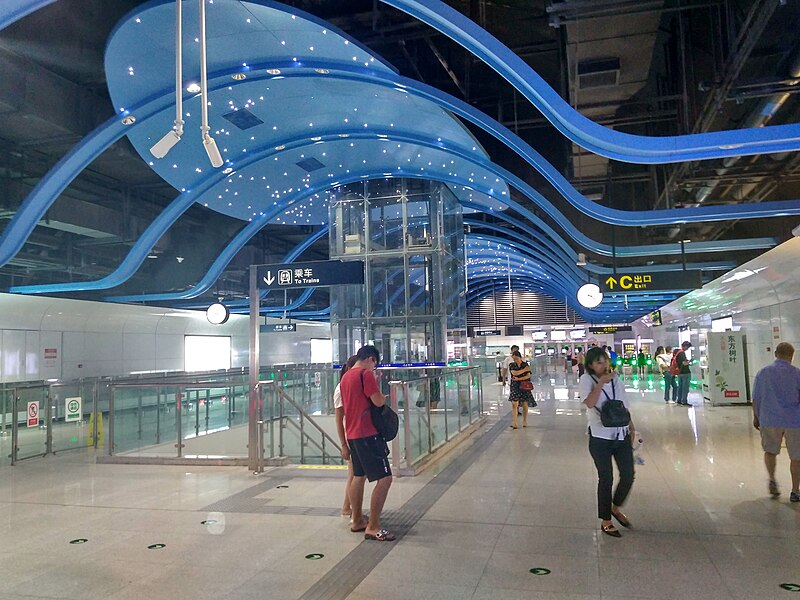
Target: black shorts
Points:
(370, 456)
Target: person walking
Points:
(368, 450)
(685, 375)
(599, 386)
(507, 362)
(776, 414)
(581, 358)
(339, 418)
(519, 371)
(641, 362)
(663, 360)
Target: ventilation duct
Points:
(599, 72)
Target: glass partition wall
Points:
(410, 235)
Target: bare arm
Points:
(594, 395)
(340, 430)
(378, 399)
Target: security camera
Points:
(165, 144)
(213, 152)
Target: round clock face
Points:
(589, 295)
(217, 313)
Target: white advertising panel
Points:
(727, 368)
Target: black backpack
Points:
(384, 418)
(613, 412)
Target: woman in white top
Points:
(597, 386)
(337, 405)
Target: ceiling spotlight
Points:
(273, 71)
(322, 71)
(213, 152)
(129, 120)
(193, 88)
(238, 76)
(165, 144)
(228, 171)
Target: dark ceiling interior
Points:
(660, 67)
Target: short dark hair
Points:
(366, 352)
(784, 351)
(514, 346)
(686, 344)
(516, 353)
(592, 354)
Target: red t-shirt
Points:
(355, 402)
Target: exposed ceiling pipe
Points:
(759, 117)
(208, 142)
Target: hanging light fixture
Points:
(173, 136)
(208, 142)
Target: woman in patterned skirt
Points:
(519, 371)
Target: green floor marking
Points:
(540, 571)
(314, 556)
(209, 522)
(791, 587)
(79, 541)
(156, 546)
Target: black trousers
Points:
(602, 451)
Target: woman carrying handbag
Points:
(521, 388)
(610, 433)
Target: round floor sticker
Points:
(79, 541)
(156, 546)
(209, 522)
(540, 571)
(282, 487)
(791, 587)
(314, 556)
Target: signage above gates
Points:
(278, 328)
(648, 282)
(310, 274)
(610, 329)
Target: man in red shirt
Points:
(367, 449)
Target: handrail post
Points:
(179, 420)
(260, 440)
(111, 420)
(14, 427)
(48, 422)
(393, 403)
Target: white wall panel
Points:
(13, 358)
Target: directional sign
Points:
(310, 274)
(278, 328)
(649, 282)
(610, 329)
(485, 332)
(72, 409)
(33, 414)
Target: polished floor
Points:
(510, 515)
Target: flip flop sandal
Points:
(359, 530)
(382, 536)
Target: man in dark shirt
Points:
(685, 376)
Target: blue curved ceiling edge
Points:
(48, 188)
(218, 182)
(591, 267)
(579, 129)
(609, 252)
(527, 81)
(240, 239)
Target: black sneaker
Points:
(794, 497)
(773, 488)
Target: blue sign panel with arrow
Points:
(310, 274)
(648, 282)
